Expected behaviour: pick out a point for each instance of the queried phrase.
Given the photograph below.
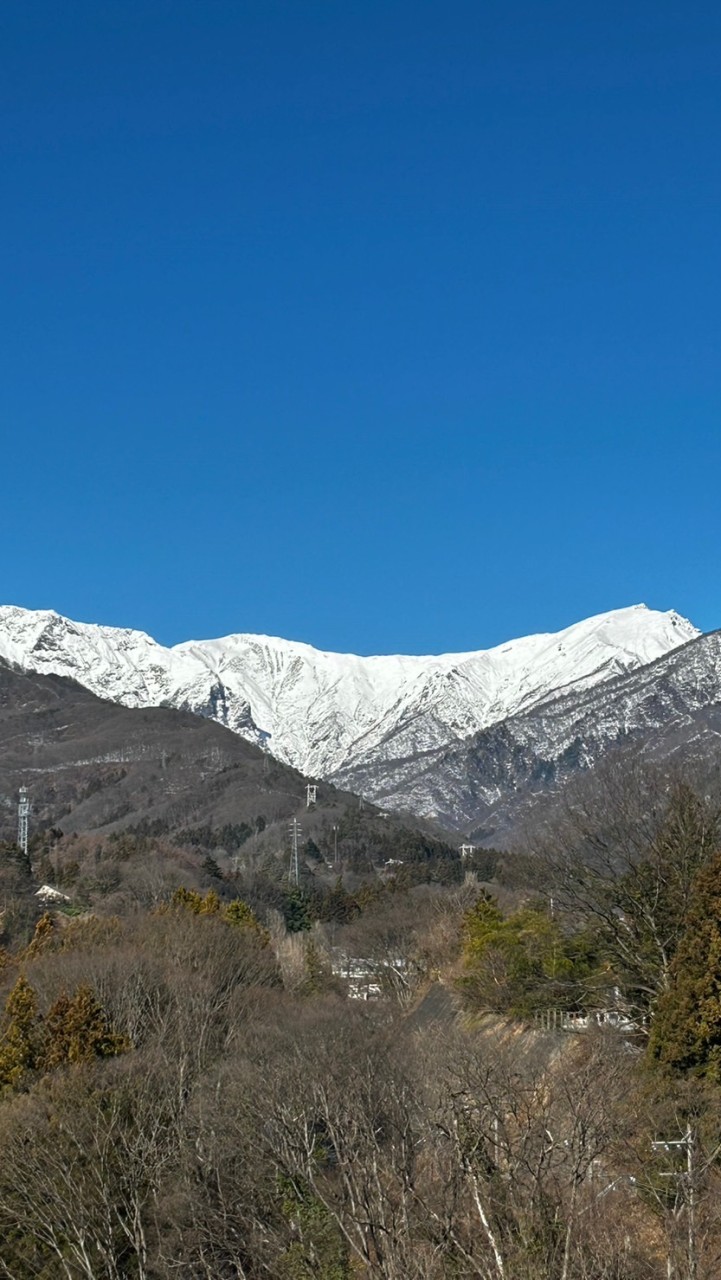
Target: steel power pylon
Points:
(23, 816)
(294, 873)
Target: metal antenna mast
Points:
(294, 838)
(23, 815)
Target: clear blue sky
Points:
(382, 324)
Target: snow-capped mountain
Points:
(486, 785)
(335, 715)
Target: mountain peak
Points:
(324, 712)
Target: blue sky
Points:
(387, 326)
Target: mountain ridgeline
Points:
(491, 785)
(469, 741)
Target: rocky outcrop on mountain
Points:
(668, 709)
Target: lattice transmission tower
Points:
(294, 872)
(23, 816)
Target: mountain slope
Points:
(93, 766)
(486, 785)
(333, 715)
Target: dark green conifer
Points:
(297, 911)
(686, 1031)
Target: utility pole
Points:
(335, 845)
(691, 1202)
(311, 793)
(467, 851)
(687, 1143)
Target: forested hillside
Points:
(403, 1067)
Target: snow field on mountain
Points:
(323, 712)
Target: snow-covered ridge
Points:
(324, 711)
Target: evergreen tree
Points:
(188, 899)
(210, 904)
(191, 900)
(686, 1031)
(211, 868)
(481, 926)
(631, 875)
(21, 1044)
(523, 961)
(338, 905)
(239, 915)
(56, 1050)
(297, 911)
(317, 969)
(78, 1030)
(43, 936)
